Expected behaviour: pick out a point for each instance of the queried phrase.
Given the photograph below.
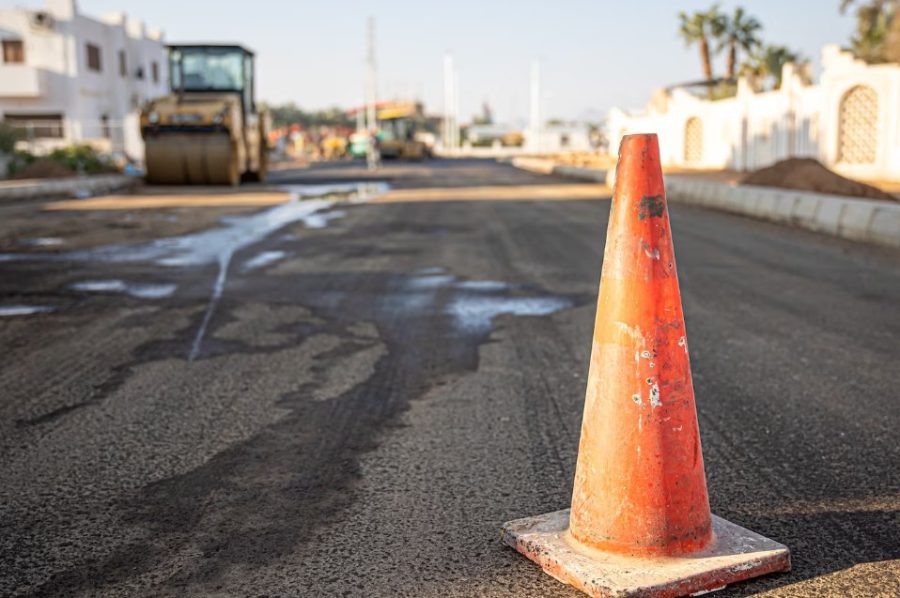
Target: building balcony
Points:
(22, 81)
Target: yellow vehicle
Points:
(401, 125)
(208, 130)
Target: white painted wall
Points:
(756, 129)
(55, 78)
(558, 138)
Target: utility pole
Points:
(450, 131)
(456, 139)
(535, 117)
(371, 98)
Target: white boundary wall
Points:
(756, 129)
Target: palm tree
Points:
(700, 28)
(737, 32)
(769, 62)
(877, 36)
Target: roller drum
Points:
(193, 159)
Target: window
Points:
(34, 126)
(154, 69)
(123, 65)
(13, 51)
(207, 69)
(93, 57)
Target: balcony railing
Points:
(40, 136)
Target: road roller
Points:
(400, 126)
(208, 130)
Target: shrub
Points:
(81, 158)
(67, 161)
(8, 138)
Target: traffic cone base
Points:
(735, 554)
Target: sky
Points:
(594, 54)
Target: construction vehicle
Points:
(400, 125)
(401, 131)
(208, 130)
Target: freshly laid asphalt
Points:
(374, 393)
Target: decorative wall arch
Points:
(693, 140)
(858, 126)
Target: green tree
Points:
(877, 37)
(768, 63)
(737, 32)
(702, 28)
(290, 113)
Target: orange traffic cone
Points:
(640, 523)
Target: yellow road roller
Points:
(208, 130)
(400, 125)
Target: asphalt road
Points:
(377, 387)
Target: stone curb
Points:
(870, 221)
(544, 166)
(865, 220)
(67, 187)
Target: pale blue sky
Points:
(594, 54)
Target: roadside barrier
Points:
(640, 523)
(866, 220)
(65, 187)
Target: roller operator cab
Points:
(208, 130)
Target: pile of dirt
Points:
(44, 168)
(806, 174)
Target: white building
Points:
(559, 137)
(849, 120)
(68, 78)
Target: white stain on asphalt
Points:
(139, 290)
(243, 231)
(8, 311)
(471, 304)
(482, 285)
(475, 313)
(218, 245)
(321, 219)
(263, 259)
(42, 242)
(431, 281)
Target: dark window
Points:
(93, 58)
(139, 73)
(154, 68)
(104, 124)
(36, 125)
(13, 51)
(123, 65)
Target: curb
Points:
(544, 166)
(67, 187)
(869, 221)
